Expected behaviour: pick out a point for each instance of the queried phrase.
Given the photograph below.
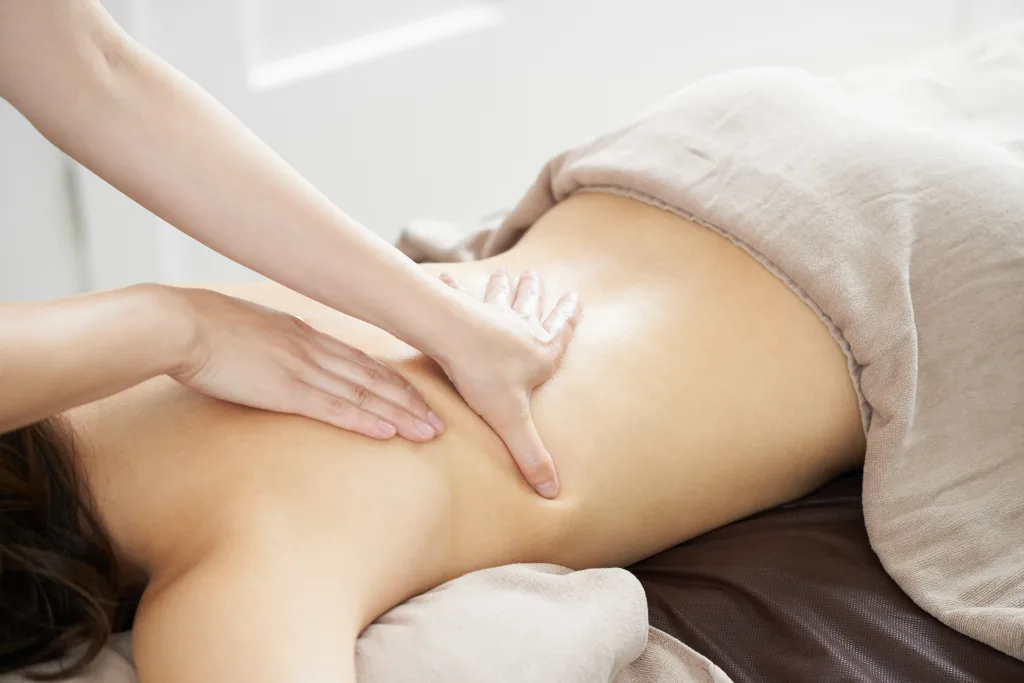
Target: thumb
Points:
(534, 462)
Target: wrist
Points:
(441, 325)
(176, 336)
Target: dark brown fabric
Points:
(796, 595)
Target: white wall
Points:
(454, 129)
(37, 239)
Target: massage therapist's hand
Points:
(513, 353)
(246, 353)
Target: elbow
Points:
(105, 53)
(54, 57)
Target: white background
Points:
(397, 109)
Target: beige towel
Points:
(515, 623)
(526, 624)
(892, 202)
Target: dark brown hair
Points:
(58, 570)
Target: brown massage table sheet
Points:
(795, 595)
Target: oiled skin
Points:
(698, 389)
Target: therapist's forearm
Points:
(160, 139)
(59, 354)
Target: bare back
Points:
(698, 389)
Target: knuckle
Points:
(375, 375)
(339, 409)
(305, 356)
(361, 396)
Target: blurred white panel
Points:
(286, 28)
(374, 45)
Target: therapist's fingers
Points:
(362, 370)
(529, 297)
(262, 358)
(348, 401)
(327, 407)
(524, 443)
(499, 289)
(561, 324)
(452, 282)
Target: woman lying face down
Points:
(265, 543)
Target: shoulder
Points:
(241, 611)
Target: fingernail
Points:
(548, 489)
(385, 430)
(435, 421)
(425, 430)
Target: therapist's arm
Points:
(56, 355)
(159, 138)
